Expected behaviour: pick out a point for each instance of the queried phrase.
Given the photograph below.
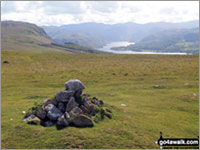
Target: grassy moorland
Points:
(160, 93)
(26, 37)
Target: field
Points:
(160, 93)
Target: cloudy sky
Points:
(109, 12)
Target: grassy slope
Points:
(27, 47)
(26, 37)
(117, 79)
(34, 48)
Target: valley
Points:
(171, 38)
(99, 74)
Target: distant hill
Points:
(186, 35)
(98, 34)
(174, 40)
(82, 39)
(27, 37)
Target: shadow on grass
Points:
(59, 127)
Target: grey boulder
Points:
(82, 121)
(49, 107)
(63, 120)
(71, 104)
(41, 113)
(52, 112)
(61, 107)
(64, 96)
(75, 85)
(75, 112)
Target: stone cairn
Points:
(69, 107)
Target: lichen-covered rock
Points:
(41, 113)
(75, 112)
(64, 96)
(71, 104)
(82, 121)
(63, 120)
(52, 112)
(32, 119)
(74, 85)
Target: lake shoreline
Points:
(107, 48)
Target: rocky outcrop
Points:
(69, 107)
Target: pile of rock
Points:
(69, 107)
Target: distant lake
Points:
(107, 48)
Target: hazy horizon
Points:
(104, 23)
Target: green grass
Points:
(26, 37)
(14, 46)
(158, 91)
(33, 47)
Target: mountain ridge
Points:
(100, 34)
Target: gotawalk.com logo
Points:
(178, 142)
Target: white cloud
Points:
(110, 12)
(103, 7)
